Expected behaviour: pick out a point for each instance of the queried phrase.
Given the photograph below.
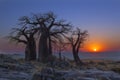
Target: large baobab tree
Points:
(25, 36)
(76, 39)
(50, 28)
(53, 30)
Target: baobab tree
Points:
(25, 36)
(76, 39)
(50, 29)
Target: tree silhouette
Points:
(25, 36)
(76, 40)
(49, 30)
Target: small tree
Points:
(76, 39)
(60, 46)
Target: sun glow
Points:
(94, 49)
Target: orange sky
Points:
(100, 45)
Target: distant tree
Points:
(60, 46)
(25, 36)
(50, 29)
(76, 39)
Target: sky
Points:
(100, 17)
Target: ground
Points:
(18, 69)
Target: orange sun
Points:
(94, 49)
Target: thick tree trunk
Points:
(27, 55)
(50, 46)
(43, 48)
(30, 50)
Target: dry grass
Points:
(103, 65)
